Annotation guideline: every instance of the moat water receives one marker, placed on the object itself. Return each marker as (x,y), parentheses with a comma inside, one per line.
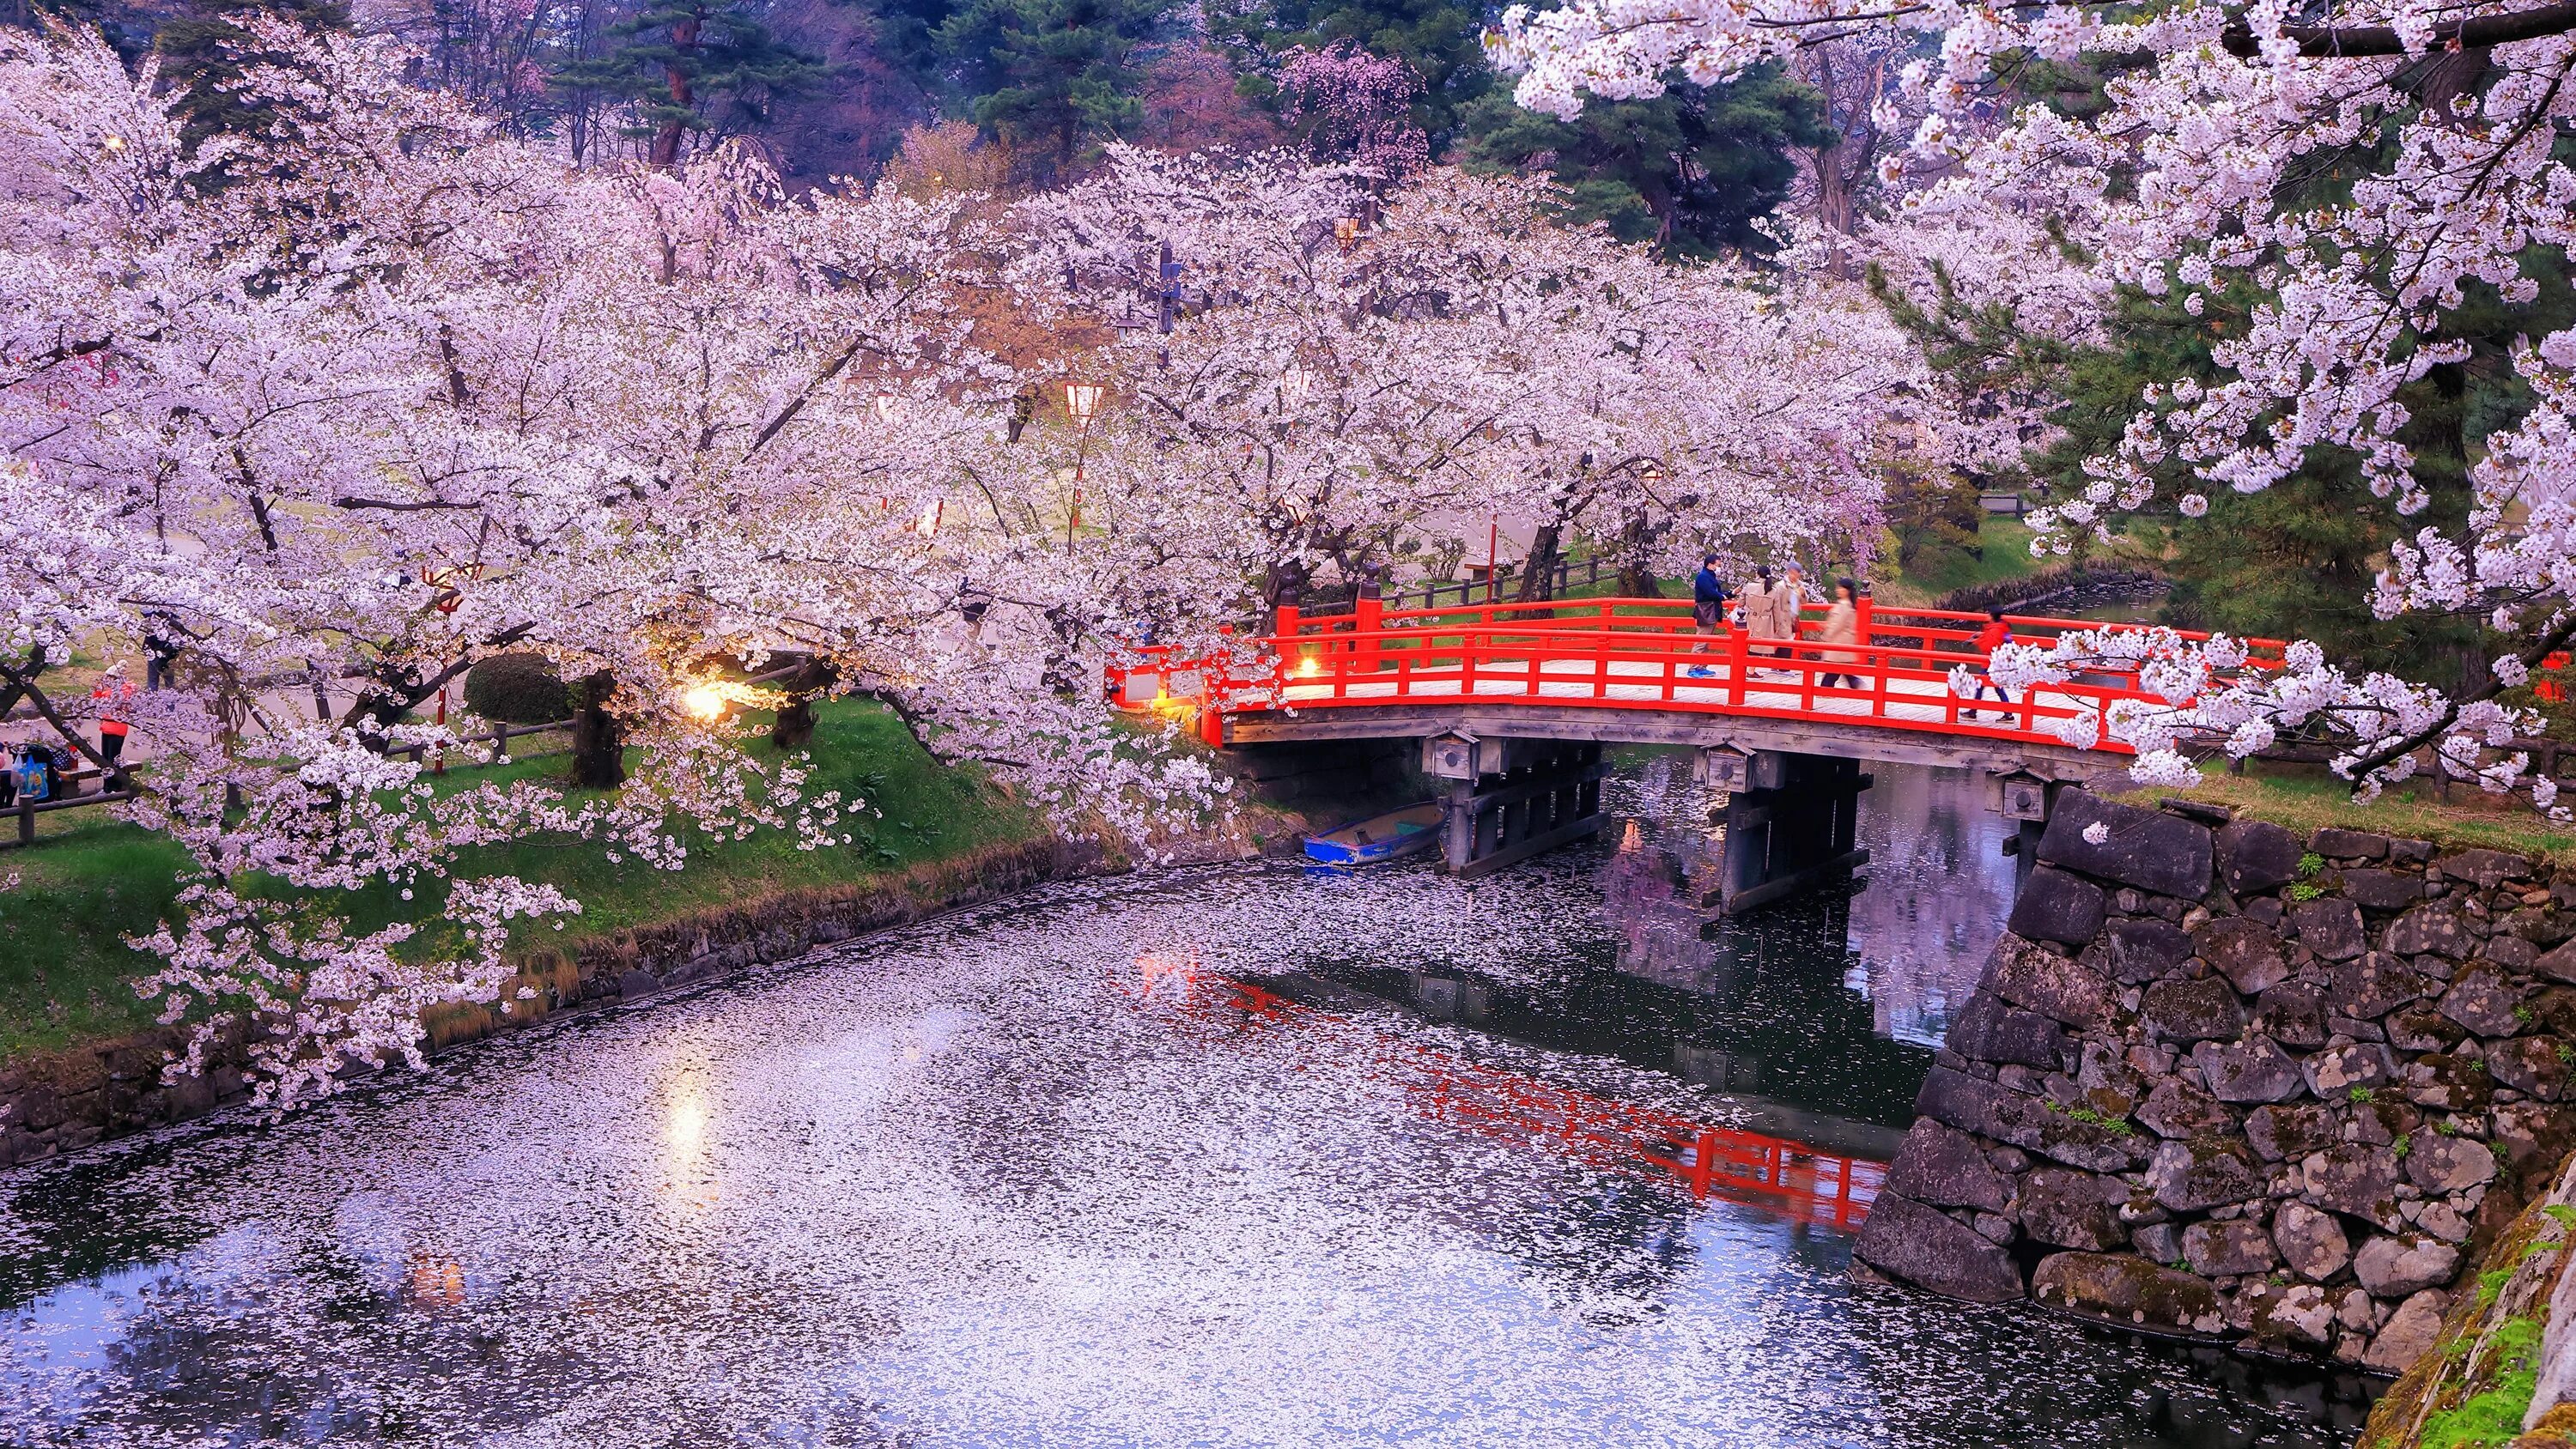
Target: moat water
(1229,1156)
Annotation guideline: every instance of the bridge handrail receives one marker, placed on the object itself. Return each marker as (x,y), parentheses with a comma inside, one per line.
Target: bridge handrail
(1574,668)
(1639,615)
(1635,654)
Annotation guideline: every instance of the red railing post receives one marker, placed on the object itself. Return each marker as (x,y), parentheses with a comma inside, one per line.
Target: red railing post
(1805,664)
(1367,616)
(1735,666)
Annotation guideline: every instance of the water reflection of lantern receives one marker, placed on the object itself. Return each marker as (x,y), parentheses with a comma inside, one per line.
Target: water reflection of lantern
(685,1135)
(431,1282)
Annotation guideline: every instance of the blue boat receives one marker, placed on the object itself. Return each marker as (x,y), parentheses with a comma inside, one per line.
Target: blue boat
(1380,837)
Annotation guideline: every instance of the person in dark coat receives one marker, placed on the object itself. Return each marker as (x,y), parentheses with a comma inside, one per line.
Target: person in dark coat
(1708,609)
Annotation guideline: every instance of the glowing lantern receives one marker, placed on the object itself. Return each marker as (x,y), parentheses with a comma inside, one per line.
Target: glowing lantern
(1082,399)
(704,701)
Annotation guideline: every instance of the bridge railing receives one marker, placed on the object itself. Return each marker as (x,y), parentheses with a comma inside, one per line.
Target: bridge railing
(1641,654)
(1881,624)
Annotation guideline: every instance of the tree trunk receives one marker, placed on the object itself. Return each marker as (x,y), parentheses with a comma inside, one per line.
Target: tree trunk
(1636,575)
(1538,571)
(666,142)
(793,729)
(1834,206)
(598,744)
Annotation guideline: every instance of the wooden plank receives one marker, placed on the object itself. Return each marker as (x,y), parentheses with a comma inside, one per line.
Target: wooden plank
(1520,790)
(1671,727)
(1521,850)
(1791,884)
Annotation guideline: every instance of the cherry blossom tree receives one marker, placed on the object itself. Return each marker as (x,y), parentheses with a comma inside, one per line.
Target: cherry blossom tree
(1338,399)
(341,409)
(2199,177)
(1356,108)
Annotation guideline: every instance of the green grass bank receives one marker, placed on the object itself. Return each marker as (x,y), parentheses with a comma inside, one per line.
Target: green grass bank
(67,976)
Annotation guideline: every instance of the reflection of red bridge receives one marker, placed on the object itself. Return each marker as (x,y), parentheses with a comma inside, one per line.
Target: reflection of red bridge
(1789,1178)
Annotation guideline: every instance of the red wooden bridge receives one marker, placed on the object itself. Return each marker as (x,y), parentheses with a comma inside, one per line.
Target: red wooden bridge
(1513,702)
(1634,670)
(1791,1179)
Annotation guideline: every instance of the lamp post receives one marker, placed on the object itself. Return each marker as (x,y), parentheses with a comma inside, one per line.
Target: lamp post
(1082,399)
(450,593)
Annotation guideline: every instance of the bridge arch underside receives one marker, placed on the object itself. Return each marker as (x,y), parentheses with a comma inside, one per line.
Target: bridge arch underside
(1793,785)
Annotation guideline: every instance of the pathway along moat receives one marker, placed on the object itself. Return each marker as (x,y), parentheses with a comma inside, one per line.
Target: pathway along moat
(1040,1175)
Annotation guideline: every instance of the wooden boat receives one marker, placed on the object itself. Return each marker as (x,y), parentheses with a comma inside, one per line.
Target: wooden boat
(1380,837)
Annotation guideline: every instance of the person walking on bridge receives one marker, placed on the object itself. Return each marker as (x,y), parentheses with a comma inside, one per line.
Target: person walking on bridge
(1842,626)
(1708,609)
(1757,610)
(1994,636)
(1786,599)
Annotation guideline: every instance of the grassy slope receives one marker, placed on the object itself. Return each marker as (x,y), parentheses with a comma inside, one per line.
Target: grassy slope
(2302,798)
(66,974)
(2006,545)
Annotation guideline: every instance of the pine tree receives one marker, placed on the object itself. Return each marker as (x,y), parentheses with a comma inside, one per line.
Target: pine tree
(1690,170)
(205,50)
(677,60)
(1050,76)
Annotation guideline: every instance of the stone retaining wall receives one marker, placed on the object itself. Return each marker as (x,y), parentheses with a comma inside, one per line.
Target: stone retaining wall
(2225,1084)
(64,1101)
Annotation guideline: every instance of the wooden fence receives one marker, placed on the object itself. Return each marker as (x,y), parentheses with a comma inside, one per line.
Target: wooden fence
(114,788)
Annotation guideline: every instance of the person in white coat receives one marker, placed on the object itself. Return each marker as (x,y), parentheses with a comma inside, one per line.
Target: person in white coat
(1756,605)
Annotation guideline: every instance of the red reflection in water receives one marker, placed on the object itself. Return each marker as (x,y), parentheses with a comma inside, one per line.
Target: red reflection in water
(1792,1179)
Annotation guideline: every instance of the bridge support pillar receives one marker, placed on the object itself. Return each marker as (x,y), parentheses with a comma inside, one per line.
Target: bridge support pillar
(1511,799)
(1792,823)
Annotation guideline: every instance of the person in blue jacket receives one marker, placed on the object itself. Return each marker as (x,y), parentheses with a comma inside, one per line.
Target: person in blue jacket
(1708,608)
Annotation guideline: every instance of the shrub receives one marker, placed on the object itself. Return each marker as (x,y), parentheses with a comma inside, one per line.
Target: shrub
(517,689)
